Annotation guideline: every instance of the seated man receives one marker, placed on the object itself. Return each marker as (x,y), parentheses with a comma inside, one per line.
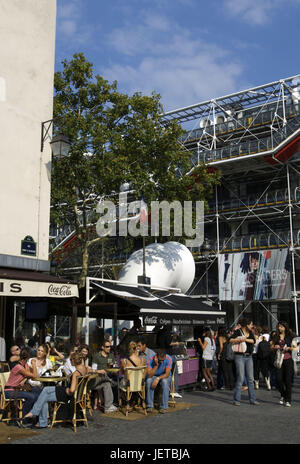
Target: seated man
(158,372)
(15,351)
(103,384)
(143,350)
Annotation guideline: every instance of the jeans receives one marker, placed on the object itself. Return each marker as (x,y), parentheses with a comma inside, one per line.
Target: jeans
(40,407)
(244,368)
(165,387)
(30,397)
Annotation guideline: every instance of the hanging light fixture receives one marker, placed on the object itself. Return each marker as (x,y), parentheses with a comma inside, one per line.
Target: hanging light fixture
(60,145)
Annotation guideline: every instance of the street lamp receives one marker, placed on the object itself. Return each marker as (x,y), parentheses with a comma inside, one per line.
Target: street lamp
(206,251)
(60,144)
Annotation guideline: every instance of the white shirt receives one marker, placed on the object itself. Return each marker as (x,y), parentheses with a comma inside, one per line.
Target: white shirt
(209,350)
(68,368)
(40,371)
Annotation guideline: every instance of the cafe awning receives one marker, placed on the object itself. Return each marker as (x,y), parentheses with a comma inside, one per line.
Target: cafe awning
(19,283)
(160,307)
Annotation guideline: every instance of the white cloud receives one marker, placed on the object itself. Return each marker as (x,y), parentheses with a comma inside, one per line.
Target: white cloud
(257,12)
(183,68)
(69,22)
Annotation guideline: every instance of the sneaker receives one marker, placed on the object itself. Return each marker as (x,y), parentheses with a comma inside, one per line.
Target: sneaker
(281,401)
(111,409)
(236,403)
(162,411)
(177,395)
(254,403)
(149,409)
(287,404)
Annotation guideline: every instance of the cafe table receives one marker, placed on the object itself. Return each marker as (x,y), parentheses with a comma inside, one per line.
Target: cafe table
(52,380)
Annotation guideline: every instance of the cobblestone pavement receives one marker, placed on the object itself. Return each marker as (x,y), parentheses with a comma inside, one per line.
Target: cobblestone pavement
(214,420)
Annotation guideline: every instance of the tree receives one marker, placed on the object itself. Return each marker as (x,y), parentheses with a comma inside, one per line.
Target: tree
(115,138)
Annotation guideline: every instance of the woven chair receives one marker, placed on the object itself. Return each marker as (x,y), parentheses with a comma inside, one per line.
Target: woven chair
(79,404)
(4,366)
(134,388)
(9,405)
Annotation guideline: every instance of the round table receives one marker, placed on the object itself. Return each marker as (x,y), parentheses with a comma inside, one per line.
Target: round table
(51,381)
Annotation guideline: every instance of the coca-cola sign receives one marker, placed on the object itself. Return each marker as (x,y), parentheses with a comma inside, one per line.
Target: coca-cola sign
(59,290)
(183,319)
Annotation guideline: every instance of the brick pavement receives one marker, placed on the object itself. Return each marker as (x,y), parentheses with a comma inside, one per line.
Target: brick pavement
(213,421)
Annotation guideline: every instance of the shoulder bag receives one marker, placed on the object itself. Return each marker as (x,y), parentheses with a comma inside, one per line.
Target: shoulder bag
(239,347)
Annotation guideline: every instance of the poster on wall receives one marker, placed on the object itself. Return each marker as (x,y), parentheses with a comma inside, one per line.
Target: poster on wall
(255,275)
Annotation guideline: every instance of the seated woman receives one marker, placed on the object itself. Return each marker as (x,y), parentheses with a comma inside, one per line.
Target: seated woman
(53,355)
(58,393)
(20,373)
(85,351)
(43,364)
(132,360)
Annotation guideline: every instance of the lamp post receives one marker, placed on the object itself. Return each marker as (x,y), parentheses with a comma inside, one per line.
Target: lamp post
(205,250)
(60,144)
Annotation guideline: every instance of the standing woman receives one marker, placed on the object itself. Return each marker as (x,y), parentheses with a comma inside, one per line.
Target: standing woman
(243,361)
(208,346)
(282,340)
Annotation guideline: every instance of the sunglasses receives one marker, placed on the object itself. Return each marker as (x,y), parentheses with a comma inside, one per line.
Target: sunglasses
(106,346)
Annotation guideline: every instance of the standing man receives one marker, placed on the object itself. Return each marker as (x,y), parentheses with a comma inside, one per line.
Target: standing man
(103,384)
(158,372)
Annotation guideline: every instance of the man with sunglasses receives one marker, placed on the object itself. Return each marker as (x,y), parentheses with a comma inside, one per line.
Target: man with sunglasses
(15,351)
(103,384)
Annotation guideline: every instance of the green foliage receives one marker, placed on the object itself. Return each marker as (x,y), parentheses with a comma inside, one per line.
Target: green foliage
(114,138)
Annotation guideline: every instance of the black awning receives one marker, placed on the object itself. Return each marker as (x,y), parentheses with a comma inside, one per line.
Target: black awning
(160,307)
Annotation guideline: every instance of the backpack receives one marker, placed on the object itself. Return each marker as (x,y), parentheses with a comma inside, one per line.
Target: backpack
(263,350)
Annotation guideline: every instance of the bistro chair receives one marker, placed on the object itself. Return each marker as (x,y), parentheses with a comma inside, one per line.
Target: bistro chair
(134,391)
(78,405)
(7,405)
(4,366)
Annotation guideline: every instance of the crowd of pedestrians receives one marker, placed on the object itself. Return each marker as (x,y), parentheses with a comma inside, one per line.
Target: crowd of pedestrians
(247,358)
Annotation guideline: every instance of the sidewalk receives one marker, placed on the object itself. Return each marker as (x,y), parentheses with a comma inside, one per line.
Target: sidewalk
(213,420)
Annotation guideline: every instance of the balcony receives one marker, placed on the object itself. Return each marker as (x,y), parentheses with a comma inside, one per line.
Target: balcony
(271,198)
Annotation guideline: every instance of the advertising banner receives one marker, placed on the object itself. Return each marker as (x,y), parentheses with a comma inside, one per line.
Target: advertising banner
(256,275)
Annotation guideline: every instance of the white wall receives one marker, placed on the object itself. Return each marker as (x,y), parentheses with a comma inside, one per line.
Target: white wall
(27,45)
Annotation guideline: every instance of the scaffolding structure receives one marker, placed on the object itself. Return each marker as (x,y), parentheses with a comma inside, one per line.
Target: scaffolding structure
(253,138)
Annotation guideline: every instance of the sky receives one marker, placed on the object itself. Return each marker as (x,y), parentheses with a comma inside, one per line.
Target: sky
(188,51)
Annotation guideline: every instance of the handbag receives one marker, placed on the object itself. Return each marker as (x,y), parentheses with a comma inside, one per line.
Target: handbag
(239,347)
(278,359)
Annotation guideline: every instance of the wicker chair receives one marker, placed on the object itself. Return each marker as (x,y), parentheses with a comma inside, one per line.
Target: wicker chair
(79,404)
(134,388)
(8,405)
